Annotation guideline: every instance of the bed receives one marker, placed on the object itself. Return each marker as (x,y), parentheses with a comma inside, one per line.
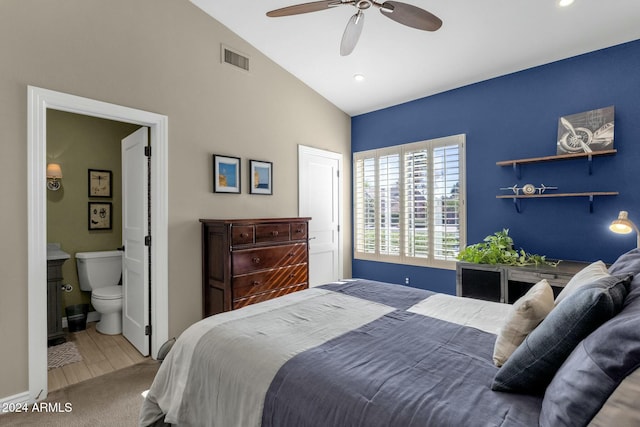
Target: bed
(366,353)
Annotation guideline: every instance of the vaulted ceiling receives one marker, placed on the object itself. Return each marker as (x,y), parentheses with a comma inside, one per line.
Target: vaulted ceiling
(479,39)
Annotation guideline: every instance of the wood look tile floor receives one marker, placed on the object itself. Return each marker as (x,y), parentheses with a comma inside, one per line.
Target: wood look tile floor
(101,354)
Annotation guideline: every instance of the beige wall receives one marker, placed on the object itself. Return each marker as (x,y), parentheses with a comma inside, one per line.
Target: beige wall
(161,56)
(79,143)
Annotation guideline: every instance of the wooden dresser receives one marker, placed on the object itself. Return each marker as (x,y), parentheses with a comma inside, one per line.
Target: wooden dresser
(245,261)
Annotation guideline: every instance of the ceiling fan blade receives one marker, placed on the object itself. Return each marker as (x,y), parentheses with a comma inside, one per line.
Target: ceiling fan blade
(304,8)
(410,16)
(352,33)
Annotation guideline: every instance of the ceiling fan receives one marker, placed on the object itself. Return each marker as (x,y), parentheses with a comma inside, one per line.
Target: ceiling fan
(403,13)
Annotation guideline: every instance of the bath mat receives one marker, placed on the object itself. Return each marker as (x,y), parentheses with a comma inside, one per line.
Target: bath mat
(63,354)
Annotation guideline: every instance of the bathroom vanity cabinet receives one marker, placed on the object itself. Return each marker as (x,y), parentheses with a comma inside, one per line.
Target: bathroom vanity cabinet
(245,261)
(55,334)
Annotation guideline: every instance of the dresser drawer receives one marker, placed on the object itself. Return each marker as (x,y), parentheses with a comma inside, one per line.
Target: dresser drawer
(242,302)
(298,231)
(242,234)
(278,232)
(269,280)
(253,260)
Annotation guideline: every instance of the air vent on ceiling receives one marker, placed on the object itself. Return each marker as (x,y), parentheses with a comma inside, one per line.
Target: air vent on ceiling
(234,58)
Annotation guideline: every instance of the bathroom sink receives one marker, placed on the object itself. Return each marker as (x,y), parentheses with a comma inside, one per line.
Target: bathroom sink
(55,253)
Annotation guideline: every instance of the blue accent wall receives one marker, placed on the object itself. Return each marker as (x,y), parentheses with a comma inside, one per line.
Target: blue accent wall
(516,116)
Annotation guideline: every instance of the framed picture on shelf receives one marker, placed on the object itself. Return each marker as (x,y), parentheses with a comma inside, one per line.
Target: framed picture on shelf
(99,215)
(226,174)
(100,184)
(260,177)
(586,132)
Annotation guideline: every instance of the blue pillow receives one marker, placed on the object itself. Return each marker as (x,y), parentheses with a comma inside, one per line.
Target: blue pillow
(629,263)
(600,363)
(533,365)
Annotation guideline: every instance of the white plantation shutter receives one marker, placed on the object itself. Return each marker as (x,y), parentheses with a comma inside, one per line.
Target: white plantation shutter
(416,202)
(389,204)
(446,202)
(409,203)
(365,210)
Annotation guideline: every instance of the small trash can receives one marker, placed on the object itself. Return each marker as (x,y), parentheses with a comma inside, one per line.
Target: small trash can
(77,317)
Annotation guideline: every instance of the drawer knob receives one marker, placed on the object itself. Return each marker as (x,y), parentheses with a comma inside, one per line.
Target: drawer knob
(274,233)
(291,254)
(255,260)
(243,235)
(299,230)
(255,283)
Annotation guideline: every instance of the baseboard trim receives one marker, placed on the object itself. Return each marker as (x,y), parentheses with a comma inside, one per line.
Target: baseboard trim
(10,402)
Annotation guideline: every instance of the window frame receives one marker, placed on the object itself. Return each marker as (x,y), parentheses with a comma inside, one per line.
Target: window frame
(358,189)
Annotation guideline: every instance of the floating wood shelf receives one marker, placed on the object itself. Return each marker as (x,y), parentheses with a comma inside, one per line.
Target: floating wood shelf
(590,194)
(589,156)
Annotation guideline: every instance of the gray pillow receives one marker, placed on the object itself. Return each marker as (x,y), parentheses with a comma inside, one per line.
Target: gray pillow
(602,361)
(534,363)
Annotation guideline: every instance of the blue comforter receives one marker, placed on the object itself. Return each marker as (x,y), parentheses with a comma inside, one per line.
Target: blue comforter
(377,364)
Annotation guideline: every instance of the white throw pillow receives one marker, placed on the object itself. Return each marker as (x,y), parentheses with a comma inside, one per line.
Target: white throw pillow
(526,313)
(589,274)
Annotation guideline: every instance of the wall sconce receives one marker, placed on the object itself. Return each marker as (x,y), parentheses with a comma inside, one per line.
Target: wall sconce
(623,225)
(54,175)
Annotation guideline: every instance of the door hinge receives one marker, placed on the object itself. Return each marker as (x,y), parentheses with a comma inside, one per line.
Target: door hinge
(147,240)
(147,151)
(338,228)
(338,173)
(147,330)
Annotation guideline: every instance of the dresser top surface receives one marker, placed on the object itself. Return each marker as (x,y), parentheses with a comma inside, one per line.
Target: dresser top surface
(254,220)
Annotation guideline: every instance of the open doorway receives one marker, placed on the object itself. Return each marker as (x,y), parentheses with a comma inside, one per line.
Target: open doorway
(102,184)
(39,100)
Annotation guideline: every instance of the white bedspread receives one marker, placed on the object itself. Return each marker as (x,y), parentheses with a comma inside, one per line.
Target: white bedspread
(484,315)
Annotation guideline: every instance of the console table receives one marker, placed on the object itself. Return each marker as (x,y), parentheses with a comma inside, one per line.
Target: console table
(507,283)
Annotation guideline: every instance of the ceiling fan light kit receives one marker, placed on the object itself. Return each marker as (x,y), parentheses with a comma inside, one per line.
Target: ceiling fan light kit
(403,13)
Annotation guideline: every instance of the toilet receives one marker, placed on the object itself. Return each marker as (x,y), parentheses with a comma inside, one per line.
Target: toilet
(99,273)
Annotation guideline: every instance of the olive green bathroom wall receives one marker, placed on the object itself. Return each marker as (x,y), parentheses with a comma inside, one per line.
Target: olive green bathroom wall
(161,56)
(79,143)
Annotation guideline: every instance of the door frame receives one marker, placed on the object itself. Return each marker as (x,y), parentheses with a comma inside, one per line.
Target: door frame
(39,100)
(303,149)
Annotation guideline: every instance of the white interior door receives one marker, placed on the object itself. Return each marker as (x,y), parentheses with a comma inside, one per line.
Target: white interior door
(135,270)
(319,197)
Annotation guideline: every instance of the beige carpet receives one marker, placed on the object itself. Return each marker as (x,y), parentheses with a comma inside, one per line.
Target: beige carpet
(63,354)
(109,400)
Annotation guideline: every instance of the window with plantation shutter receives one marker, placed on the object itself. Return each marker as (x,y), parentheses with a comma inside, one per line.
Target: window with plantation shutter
(365,211)
(409,203)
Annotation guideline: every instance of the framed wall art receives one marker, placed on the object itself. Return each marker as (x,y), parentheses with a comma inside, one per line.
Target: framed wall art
(100,184)
(99,215)
(586,132)
(226,174)
(260,177)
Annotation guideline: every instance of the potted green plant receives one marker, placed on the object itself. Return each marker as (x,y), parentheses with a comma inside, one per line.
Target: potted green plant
(498,248)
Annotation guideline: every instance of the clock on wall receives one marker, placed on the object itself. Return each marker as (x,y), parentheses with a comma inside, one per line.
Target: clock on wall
(99,183)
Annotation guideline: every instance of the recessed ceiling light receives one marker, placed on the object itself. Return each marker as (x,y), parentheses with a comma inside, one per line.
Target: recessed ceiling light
(565,3)
(358,77)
